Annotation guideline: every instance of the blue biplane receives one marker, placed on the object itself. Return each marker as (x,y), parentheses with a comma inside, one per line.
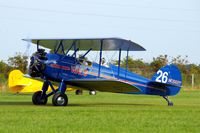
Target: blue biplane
(58,66)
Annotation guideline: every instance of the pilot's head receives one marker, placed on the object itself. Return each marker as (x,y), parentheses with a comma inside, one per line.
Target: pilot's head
(103,61)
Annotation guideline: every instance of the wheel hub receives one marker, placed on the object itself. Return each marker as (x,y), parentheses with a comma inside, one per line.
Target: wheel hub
(60,100)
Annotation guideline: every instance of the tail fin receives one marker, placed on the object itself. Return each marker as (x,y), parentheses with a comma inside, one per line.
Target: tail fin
(14,78)
(170,76)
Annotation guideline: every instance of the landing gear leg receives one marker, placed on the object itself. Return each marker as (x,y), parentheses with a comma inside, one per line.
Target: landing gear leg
(60,98)
(170,103)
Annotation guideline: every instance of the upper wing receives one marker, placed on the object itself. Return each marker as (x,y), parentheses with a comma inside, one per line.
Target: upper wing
(104,85)
(109,44)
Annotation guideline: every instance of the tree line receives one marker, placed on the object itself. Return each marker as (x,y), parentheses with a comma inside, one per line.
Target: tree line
(19,61)
(141,67)
(147,69)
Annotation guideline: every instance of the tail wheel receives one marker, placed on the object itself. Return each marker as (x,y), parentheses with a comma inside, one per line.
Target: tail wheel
(37,98)
(60,99)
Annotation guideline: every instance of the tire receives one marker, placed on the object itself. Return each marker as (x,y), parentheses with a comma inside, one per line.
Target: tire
(78,92)
(38,100)
(92,92)
(60,99)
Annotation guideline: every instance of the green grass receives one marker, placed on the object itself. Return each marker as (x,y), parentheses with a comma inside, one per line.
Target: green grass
(105,112)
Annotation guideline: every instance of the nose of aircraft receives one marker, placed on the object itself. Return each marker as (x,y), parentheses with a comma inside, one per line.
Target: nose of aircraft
(37,64)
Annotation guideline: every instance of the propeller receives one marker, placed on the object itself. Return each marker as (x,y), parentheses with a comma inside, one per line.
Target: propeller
(38,63)
(37,60)
(28,49)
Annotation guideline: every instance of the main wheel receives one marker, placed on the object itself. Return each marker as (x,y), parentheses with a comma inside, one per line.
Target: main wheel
(79,92)
(92,92)
(60,99)
(37,98)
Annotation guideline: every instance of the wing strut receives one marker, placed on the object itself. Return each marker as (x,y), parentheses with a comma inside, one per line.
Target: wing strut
(119,61)
(75,50)
(59,45)
(100,58)
(127,62)
(74,42)
(86,52)
(38,44)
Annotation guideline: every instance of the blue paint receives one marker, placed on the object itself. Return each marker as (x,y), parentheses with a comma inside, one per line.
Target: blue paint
(68,70)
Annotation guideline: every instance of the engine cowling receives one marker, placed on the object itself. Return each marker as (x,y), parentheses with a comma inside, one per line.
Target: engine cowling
(37,63)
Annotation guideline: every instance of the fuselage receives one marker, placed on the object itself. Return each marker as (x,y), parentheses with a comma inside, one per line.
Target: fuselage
(59,67)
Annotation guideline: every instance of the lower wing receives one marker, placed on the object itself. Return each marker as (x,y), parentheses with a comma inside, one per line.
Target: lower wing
(104,85)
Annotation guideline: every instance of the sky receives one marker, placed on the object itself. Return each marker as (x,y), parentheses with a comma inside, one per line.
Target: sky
(167,27)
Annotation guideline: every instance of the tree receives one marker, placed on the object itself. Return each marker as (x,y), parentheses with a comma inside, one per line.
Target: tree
(19,61)
(136,65)
(3,66)
(159,62)
(182,63)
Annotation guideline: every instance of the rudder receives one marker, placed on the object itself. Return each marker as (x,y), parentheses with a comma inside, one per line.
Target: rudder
(169,75)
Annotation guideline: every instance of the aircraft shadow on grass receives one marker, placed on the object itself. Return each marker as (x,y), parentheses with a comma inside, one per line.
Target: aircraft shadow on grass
(25,103)
(109,104)
(3,103)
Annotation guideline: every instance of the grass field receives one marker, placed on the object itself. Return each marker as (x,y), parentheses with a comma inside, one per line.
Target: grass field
(105,112)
